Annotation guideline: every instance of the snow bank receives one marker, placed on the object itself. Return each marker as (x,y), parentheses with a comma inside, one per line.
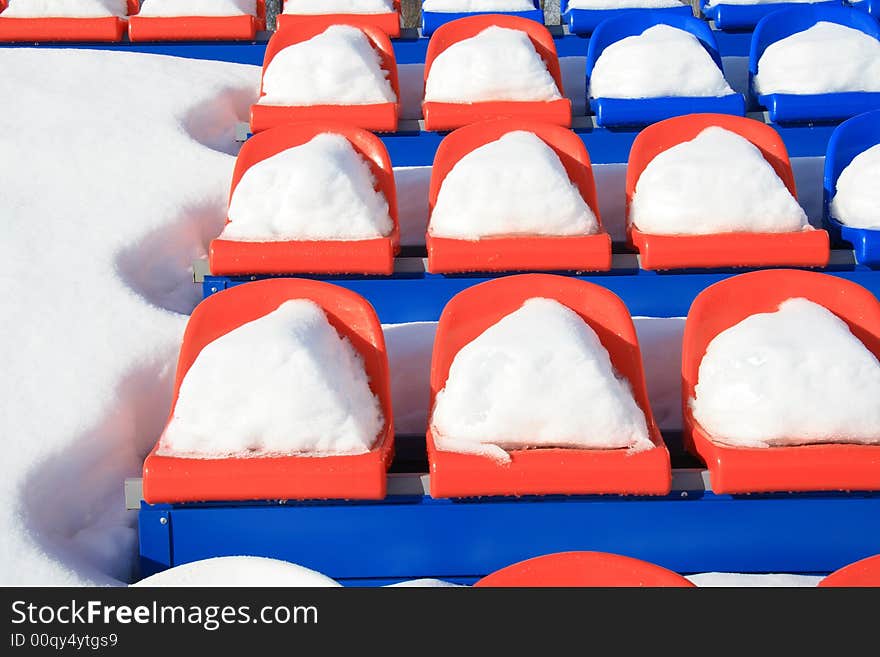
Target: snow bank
(320,190)
(622,4)
(515,185)
(661,61)
(304,7)
(285,383)
(826,58)
(229,572)
(90,367)
(65,8)
(719,182)
(337,67)
(794,376)
(425,583)
(469,6)
(856,200)
(198,8)
(537,378)
(497,64)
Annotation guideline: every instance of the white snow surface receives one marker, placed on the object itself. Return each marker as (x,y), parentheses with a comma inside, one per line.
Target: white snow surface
(166,8)
(714,3)
(499,63)
(767,381)
(239,571)
(101,225)
(468,6)
(320,190)
(856,200)
(285,383)
(825,58)
(661,61)
(65,8)
(515,185)
(754,580)
(339,66)
(622,4)
(738,190)
(316,7)
(505,389)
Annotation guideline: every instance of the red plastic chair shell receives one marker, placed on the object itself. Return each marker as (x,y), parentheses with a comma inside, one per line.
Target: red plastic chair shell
(370,256)
(546,471)
(170,479)
(441,116)
(103,29)
(821,467)
(388,22)
(808,248)
(583,569)
(380,117)
(518,253)
(864,573)
(197,28)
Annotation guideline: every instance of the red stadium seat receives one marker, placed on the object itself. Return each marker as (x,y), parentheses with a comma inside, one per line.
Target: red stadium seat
(546,471)
(169,479)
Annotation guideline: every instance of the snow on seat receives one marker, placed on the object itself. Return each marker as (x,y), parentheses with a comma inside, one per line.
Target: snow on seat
(173,478)
(745,14)
(822,79)
(98,20)
(583,16)
(647,66)
(865,572)
(804,247)
(327,71)
(641,469)
(439,12)
(596,569)
(382,14)
(854,216)
(527,251)
(214,20)
(465,35)
(264,254)
(793,467)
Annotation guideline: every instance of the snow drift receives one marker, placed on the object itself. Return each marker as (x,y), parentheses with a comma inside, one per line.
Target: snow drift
(856,200)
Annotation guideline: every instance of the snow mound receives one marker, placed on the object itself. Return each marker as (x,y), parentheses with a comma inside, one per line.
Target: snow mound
(65,8)
(198,8)
(497,64)
(230,572)
(304,7)
(320,190)
(856,200)
(424,583)
(515,185)
(790,377)
(826,58)
(738,190)
(662,61)
(623,4)
(470,6)
(337,67)
(285,383)
(539,377)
